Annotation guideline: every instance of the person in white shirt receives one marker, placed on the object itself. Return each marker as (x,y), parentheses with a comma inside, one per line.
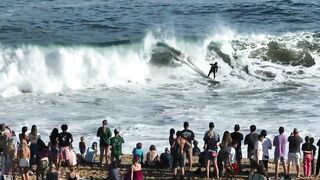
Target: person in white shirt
(258,150)
(266,145)
(232,160)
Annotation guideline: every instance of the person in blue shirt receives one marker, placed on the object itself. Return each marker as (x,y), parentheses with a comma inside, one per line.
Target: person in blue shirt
(138,151)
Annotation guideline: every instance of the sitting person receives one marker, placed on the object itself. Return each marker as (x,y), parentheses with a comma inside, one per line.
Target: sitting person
(73,175)
(138,152)
(201,162)
(91,153)
(195,150)
(52,174)
(135,172)
(114,171)
(166,159)
(152,156)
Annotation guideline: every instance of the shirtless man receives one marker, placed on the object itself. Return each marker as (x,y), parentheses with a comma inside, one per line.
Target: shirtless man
(178,154)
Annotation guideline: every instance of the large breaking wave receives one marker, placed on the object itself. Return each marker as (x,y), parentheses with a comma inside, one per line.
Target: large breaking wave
(54,68)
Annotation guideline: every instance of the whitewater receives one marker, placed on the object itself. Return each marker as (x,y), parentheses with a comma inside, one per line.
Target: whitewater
(146,78)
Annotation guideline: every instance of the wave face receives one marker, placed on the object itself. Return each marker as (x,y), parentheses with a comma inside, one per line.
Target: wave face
(31,68)
(47,69)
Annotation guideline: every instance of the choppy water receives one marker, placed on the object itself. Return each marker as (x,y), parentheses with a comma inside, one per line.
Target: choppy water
(140,63)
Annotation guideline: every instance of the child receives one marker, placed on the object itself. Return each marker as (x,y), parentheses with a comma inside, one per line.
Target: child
(307,157)
(196,150)
(114,171)
(138,152)
(232,166)
(314,149)
(82,146)
(52,174)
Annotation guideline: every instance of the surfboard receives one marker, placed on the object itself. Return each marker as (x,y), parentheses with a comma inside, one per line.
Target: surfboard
(211,80)
(190,63)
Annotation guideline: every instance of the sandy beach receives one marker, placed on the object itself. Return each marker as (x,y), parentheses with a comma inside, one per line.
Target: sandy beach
(99,173)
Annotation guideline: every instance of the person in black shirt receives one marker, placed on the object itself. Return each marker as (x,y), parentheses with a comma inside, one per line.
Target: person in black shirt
(314,149)
(171,136)
(294,150)
(318,160)
(251,140)
(65,141)
(237,137)
(166,159)
(213,69)
(189,136)
(307,156)
(196,150)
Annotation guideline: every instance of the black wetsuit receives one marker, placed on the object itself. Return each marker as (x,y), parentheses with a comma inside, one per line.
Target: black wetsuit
(214,70)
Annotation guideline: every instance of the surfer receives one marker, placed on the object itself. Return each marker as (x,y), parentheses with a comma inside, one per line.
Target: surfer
(213,69)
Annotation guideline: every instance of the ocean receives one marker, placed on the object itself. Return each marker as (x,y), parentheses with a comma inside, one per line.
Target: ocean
(140,64)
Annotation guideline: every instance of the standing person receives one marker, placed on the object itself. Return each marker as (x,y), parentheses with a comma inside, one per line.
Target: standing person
(213,69)
(266,144)
(251,140)
(33,138)
(82,146)
(212,152)
(307,157)
(105,134)
(24,158)
(258,151)
(232,161)
(116,147)
(314,150)
(318,161)
(223,154)
(4,137)
(237,137)
(23,134)
(187,134)
(10,154)
(171,136)
(294,150)
(54,147)
(65,141)
(211,141)
(280,143)
(178,147)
